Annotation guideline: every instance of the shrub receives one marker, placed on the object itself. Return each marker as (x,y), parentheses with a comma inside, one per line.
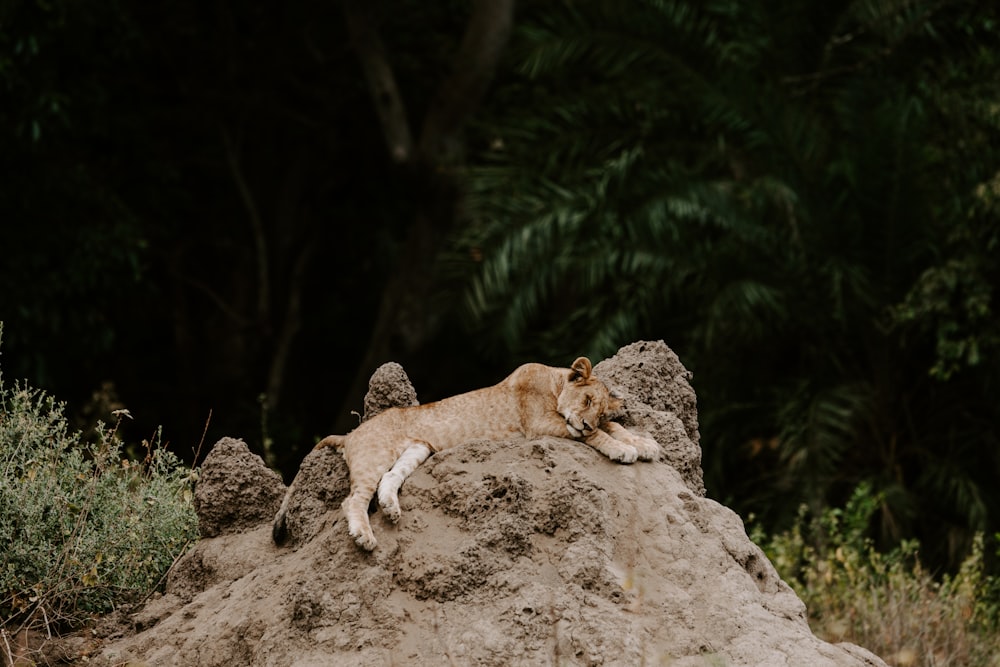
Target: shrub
(887,602)
(84,528)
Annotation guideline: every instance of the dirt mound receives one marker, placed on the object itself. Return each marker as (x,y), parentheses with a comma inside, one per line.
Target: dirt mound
(235,491)
(660,401)
(511,553)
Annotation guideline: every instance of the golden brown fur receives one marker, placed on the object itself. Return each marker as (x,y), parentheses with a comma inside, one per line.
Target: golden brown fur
(535,400)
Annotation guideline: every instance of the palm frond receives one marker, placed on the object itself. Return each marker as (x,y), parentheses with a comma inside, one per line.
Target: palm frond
(759,183)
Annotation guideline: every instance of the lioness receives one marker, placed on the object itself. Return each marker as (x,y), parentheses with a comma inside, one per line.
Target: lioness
(533,401)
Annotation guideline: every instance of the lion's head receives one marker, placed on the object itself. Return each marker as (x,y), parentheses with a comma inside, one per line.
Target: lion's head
(585,401)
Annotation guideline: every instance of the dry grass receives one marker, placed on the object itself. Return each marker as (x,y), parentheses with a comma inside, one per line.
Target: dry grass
(887,602)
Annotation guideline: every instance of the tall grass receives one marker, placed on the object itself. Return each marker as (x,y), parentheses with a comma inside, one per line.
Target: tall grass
(84,529)
(887,602)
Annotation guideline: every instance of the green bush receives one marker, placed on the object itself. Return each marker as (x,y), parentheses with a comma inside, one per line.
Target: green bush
(83,528)
(887,602)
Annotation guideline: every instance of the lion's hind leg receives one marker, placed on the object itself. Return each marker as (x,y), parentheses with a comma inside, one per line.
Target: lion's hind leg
(646,448)
(365,475)
(416,453)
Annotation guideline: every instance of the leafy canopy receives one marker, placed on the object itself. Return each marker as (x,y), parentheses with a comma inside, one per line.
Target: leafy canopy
(799,198)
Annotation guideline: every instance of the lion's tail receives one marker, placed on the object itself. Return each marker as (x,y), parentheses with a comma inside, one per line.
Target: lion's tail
(279,528)
(335,441)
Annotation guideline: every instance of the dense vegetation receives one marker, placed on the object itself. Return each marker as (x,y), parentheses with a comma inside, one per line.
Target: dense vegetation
(775,189)
(87,528)
(232,214)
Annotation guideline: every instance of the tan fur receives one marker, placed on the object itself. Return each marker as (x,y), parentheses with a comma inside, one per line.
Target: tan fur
(535,400)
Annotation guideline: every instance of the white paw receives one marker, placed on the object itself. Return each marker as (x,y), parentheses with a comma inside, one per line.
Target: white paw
(647,448)
(390,509)
(627,454)
(364,538)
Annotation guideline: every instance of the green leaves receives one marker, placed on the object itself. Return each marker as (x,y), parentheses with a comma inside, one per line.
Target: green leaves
(87,529)
(771,190)
(953,301)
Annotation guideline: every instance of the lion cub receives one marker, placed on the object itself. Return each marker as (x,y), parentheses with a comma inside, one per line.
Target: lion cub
(533,401)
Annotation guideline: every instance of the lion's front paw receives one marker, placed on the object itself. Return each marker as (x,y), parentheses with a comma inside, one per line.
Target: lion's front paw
(647,448)
(391,511)
(625,454)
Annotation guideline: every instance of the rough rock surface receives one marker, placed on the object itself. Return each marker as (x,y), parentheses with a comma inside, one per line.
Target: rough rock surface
(512,553)
(659,400)
(236,490)
(389,387)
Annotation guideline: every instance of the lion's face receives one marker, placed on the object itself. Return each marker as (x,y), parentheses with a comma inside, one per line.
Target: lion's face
(584,400)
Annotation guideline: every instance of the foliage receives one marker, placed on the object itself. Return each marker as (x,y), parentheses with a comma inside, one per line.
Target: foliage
(953,301)
(85,529)
(887,602)
(796,197)
(67,225)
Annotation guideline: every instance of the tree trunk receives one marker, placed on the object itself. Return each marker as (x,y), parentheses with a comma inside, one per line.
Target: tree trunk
(405,319)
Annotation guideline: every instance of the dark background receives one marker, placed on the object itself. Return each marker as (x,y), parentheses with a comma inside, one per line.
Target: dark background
(224,216)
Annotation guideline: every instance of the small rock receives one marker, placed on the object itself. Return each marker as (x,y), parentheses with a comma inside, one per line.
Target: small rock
(389,387)
(235,490)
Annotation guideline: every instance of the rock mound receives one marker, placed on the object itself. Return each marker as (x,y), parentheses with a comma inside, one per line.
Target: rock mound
(660,401)
(513,553)
(236,490)
(389,387)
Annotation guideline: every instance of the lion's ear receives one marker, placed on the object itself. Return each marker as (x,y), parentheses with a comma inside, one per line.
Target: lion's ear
(581,369)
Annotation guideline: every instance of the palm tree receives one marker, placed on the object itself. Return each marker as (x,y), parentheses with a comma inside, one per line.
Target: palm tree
(758,184)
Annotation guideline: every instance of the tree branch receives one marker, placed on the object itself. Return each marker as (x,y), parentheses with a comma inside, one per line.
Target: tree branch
(486,36)
(256,228)
(381,79)
(290,326)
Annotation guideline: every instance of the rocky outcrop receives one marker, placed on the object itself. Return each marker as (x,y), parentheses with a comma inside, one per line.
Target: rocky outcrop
(236,490)
(660,401)
(538,552)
